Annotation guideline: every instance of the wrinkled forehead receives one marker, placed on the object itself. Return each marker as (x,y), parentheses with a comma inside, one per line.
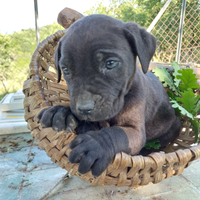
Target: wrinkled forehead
(95,31)
(96,22)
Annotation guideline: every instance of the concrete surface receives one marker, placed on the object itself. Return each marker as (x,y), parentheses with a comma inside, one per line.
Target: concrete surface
(27,173)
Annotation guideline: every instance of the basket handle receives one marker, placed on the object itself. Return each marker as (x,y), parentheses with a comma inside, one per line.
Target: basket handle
(68,16)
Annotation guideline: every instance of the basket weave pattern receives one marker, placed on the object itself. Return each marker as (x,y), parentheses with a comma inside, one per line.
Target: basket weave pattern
(42,90)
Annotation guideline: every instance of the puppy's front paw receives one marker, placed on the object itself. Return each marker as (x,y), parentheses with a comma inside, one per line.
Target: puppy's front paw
(60,118)
(92,152)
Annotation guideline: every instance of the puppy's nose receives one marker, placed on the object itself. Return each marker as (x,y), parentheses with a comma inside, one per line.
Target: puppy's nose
(85,107)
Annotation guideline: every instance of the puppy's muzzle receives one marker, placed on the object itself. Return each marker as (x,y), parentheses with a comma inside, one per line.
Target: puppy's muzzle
(85,107)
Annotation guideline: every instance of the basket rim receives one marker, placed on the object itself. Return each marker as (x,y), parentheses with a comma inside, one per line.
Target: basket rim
(154,162)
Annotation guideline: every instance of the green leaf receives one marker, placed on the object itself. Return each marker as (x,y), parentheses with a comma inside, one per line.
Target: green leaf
(152,144)
(182,110)
(188,79)
(197,108)
(171,95)
(195,127)
(176,73)
(165,77)
(189,100)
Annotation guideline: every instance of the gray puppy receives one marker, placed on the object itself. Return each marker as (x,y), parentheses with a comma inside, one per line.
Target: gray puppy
(114,105)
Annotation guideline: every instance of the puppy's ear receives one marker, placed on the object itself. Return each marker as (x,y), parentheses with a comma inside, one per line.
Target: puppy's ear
(57,57)
(143,44)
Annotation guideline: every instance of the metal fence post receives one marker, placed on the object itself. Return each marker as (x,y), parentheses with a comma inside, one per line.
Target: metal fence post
(178,51)
(153,23)
(36,22)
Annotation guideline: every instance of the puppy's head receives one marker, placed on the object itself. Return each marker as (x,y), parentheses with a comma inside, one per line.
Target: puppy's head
(97,57)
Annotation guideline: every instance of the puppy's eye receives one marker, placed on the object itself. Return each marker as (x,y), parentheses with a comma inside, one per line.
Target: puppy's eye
(111,64)
(65,71)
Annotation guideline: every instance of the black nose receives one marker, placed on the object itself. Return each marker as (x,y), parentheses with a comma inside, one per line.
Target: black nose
(85,107)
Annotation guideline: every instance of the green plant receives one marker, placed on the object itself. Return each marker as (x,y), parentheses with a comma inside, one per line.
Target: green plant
(182,90)
(155,144)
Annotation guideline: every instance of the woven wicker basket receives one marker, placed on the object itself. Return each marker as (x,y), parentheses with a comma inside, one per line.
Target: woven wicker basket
(42,90)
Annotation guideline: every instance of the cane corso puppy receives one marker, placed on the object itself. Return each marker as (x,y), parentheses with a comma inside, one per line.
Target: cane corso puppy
(114,105)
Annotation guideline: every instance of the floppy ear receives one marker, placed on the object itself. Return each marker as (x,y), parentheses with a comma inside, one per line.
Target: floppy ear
(143,44)
(57,57)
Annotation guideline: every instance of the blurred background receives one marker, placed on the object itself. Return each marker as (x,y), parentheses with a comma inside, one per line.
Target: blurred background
(18,33)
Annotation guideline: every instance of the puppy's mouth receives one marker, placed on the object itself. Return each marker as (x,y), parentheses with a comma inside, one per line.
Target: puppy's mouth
(95,115)
(88,118)
(92,117)
(93,111)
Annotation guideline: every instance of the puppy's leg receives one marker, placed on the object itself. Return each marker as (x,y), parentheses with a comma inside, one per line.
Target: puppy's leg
(60,118)
(95,149)
(171,134)
(166,138)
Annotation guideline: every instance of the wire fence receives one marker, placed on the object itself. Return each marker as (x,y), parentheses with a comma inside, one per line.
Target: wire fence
(167,29)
